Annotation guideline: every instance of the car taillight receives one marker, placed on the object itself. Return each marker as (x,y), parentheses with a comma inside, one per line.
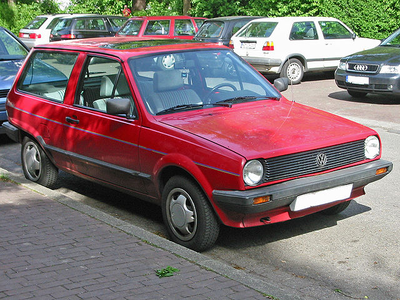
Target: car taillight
(35,36)
(68,36)
(231,45)
(20,35)
(268,46)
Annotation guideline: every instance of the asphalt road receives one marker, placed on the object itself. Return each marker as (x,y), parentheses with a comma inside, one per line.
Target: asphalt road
(353,255)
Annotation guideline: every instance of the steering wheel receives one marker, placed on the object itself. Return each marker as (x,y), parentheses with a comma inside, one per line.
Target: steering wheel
(218,86)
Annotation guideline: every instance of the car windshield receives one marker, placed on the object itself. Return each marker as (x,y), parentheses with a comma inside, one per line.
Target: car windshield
(131,27)
(212,29)
(258,29)
(36,23)
(202,79)
(10,48)
(393,40)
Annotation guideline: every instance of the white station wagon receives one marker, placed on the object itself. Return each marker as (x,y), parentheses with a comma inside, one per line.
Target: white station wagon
(290,46)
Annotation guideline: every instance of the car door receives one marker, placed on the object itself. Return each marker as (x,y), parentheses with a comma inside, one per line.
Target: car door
(338,42)
(102,145)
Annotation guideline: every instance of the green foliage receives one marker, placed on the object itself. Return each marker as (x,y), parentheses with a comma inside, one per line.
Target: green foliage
(103,7)
(166,272)
(16,16)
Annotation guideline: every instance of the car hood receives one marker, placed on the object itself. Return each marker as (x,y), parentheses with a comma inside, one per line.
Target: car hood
(8,70)
(380,54)
(268,128)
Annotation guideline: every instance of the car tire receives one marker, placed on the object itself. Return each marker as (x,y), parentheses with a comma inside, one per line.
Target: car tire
(334,210)
(187,214)
(36,166)
(357,94)
(294,70)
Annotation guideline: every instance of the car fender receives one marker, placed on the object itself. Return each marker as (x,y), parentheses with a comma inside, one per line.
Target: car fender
(297,56)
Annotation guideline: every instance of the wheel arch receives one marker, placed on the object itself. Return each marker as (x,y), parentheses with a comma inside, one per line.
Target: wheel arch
(298,56)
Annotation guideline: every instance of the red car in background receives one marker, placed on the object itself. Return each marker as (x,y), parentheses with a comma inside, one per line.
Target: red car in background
(209,139)
(180,27)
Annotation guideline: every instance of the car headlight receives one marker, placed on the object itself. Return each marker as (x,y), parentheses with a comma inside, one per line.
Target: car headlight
(390,69)
(371,147)
(253,172)
(342,65)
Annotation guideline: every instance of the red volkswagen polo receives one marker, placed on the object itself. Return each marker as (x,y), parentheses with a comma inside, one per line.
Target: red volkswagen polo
(208,139)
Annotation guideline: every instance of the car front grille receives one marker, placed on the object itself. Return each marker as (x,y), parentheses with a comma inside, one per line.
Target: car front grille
(362,68)
(304,163)
(3,93)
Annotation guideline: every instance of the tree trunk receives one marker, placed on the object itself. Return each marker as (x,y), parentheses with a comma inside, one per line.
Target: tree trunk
(186,7)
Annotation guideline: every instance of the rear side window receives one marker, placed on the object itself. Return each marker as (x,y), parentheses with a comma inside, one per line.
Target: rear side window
(160,27)
(303,31)
(46,75)
(61,25)
(334,30)
(258,29)
(184,27)
(36,23)
(211,29)
(52,23)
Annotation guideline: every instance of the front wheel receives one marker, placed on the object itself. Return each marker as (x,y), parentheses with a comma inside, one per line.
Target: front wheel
(294,70)
(36,165)
(189,219)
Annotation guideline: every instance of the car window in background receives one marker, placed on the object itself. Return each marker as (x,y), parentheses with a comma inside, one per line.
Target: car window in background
(184,27)
(211,29)
(159,27)
(47,75)
(10,48)
(303,31)
(36,23)
(393,40)
(239,25)
(116,23)
(259,29)
(199,22)
(62,24)
(132,27)
(334,30)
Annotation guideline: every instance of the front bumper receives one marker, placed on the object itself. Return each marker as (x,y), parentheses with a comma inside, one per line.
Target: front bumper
(378,83)
(283,194)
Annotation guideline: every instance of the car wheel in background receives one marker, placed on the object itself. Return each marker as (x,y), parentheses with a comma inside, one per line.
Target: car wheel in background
(187,214)
(294,70)
(334,210)
(36,165)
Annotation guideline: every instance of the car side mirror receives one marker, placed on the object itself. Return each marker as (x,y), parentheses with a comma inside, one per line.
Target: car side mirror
(353,36)
(119,106)
(281,84)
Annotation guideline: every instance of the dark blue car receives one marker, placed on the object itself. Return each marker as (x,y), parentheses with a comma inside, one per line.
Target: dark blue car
(12,54)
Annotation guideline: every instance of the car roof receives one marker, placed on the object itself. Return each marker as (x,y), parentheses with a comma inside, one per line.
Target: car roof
(163,17)
(125,47)
(290,19)
(232,18)
(73,16)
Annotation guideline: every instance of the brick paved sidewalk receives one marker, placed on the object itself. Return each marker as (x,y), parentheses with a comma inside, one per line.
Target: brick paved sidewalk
(51,251)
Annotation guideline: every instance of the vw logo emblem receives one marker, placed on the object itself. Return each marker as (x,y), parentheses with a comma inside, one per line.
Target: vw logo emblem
(321,159)
(361,67)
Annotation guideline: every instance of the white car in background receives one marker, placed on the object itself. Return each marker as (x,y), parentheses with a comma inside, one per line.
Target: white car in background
(290,46)
(38,30)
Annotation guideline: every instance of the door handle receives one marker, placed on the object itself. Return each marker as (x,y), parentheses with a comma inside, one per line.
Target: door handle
(71,120)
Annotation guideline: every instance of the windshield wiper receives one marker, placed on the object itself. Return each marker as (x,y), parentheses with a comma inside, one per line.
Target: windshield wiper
(229,102)
(179,107)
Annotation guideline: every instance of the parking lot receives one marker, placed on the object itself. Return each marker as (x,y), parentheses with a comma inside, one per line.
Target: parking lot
(351,255)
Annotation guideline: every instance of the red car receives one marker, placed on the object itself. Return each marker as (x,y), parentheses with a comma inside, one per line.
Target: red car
(171,27)
(209,139)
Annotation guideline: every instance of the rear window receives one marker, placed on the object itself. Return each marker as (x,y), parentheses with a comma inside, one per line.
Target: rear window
(211,29)
(131,27)
(36,23)
(46,75)
(52,23)
(259,29)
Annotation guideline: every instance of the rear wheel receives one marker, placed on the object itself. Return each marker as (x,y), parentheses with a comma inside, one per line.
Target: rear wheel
(357,94)
(36,165)
(190,220)
(294,70)
(334,210)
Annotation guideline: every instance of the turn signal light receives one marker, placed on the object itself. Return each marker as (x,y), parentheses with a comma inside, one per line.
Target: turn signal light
(268,46)
(381,171)
(231,45)
(260,200)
